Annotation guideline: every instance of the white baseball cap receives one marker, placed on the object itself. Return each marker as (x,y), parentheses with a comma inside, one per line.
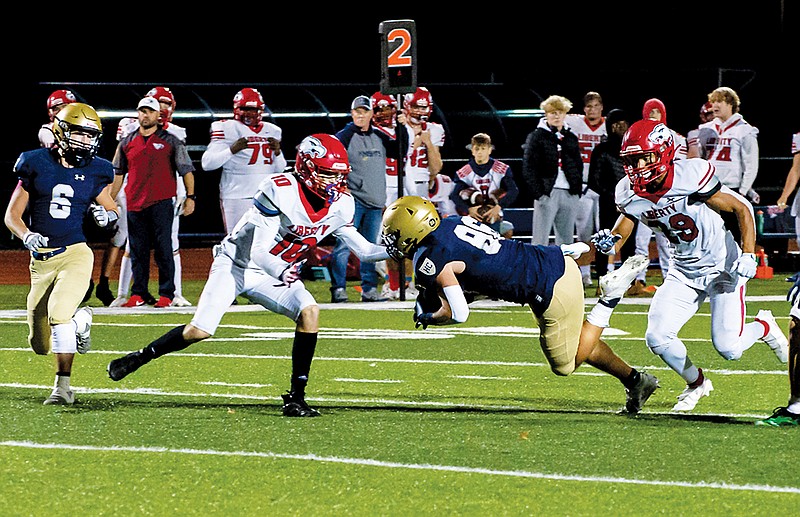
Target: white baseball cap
(149,102)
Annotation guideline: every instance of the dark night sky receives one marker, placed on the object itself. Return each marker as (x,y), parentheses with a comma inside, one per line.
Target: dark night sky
(626,51)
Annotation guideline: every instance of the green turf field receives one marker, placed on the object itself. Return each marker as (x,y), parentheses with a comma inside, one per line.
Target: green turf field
(459,420)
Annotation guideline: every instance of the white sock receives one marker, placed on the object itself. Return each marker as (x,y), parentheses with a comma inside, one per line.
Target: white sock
(600,315)
(677,358)
(178,290)
(62,381)
(125,276)
(586,271)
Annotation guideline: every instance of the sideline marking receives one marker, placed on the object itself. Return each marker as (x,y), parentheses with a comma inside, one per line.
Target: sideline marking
(410,466)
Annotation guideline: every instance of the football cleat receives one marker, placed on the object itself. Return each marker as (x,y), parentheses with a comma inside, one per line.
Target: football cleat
(295,405)
(640,392)
(689,398)
(780,417)
(83,327)
(614,285)
(120,368)
(60,397)
(774,336)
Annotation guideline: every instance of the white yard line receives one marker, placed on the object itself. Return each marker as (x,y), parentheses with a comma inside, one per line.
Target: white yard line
(366,462)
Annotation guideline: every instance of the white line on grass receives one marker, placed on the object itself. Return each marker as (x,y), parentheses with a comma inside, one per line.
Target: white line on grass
(409,466)
(383,402)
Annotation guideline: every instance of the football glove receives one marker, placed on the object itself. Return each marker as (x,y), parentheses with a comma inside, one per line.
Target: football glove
(101,216)
(33,241)
(291,274)
(604,241)
(791,296)
(746,265)
(422,319)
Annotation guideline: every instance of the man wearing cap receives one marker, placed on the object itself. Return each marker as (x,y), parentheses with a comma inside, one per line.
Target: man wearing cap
(149,157)
(367,150)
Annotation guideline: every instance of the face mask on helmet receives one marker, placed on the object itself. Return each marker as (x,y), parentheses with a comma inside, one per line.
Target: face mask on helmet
(166,100)
(248,107)
(418,105)
(78,132)
(384,110)
(322,166)
(405,223)
(647,153)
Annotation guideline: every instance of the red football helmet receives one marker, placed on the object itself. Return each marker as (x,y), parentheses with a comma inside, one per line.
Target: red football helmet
(163,95)
(57,100)
(322,165)
(706,112)
(647,152)
(244,101)
(418,105)
(384,109)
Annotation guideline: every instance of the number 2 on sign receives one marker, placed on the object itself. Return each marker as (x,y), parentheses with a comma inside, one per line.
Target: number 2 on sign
(399,56)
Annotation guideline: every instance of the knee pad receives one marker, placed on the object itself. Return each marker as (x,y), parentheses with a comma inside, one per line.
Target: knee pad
(657,342)
(730,353)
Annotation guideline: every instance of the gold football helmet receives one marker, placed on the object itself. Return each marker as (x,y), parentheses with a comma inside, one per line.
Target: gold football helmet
(405,223)
(78,131)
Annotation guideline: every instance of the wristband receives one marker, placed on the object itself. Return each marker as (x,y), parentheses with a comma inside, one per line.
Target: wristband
(193,197)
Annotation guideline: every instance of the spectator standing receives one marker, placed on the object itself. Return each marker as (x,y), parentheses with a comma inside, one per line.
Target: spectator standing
(149,158)
(166,101)
(683,198)
(790,185)
(55,103)
(484,186)
(57,187)
(367,150)
(553,169)
(261,260)
(730,143)
(591,129)
(248,149)
(605,171)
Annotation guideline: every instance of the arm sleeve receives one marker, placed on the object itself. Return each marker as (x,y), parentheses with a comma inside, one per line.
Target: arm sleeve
(458,303)
(364,250)
(749,163)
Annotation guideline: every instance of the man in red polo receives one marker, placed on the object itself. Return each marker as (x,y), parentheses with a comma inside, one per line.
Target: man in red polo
(150,157)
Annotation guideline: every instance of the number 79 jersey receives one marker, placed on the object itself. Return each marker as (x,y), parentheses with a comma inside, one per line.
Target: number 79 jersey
(703,245)
(506,269)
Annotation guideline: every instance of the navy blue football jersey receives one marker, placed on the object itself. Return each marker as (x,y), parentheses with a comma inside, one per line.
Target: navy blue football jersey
(504,269)
(59,196)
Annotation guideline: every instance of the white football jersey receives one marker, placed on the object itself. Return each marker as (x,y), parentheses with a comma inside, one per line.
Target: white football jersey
(732,147)
(415,169)
(588,137)
(299,231)
(703,246)
(439,195)
(244,171)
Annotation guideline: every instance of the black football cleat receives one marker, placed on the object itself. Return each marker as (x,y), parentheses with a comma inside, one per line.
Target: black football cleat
(119,368)
(295,405)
